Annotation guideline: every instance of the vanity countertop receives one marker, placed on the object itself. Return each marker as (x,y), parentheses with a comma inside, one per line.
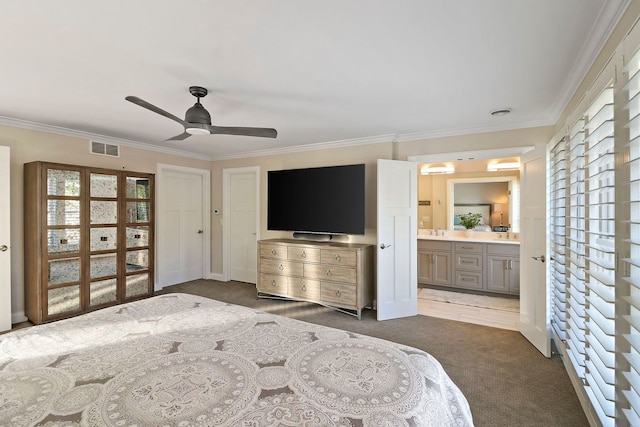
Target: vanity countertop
(478,236)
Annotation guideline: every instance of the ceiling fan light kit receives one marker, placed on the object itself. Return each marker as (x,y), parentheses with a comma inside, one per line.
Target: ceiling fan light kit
(197,120)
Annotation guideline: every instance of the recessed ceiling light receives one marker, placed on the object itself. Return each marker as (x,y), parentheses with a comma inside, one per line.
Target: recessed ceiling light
(501,111)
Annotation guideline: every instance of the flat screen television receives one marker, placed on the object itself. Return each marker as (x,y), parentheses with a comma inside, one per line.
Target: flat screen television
(323,200)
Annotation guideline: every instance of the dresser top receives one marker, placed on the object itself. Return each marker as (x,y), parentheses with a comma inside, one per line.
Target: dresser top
(329,245)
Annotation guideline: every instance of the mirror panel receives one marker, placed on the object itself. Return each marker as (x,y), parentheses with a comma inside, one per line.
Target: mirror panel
(103,238)
(137,284)
(138,212)
(104,185)
(63,212)
(137,236)
(137,188)
(61,241)
(61,300)
(63,183)
(66,270)
(104,212)
(102,292)
(137,260)
(103,265)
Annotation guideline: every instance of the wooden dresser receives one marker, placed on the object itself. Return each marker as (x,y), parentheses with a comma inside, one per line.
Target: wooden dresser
(336,275)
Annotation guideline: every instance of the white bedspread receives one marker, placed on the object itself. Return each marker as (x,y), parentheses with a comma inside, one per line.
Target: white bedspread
(184,360)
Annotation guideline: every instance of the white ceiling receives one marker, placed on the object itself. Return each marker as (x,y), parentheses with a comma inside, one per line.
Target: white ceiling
(331,71)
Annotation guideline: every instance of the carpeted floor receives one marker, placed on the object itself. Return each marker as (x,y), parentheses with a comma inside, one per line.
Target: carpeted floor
(505,379)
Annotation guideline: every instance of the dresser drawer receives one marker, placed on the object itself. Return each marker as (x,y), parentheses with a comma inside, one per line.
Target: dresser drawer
(330,272)
(286,268)
(468,261)
(273,284)
(503,249)
(273,251)
(297,253)
(468,279)
(433,245)
(339,294)
(304,288)
(469,247)
(339,257)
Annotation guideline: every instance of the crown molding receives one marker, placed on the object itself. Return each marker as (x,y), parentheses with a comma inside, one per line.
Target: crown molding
(610,15)
(379,139)
(57,130)
(417,136)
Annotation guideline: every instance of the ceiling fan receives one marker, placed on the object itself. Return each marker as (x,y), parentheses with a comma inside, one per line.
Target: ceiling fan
(197,120)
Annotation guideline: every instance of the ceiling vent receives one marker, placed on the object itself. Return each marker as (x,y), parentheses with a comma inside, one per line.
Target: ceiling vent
(105,149)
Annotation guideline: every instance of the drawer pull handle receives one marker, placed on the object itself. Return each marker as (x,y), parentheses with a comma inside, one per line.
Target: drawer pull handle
(338,293)
(329,273)
(273,251)
(273,283)
(303,254)
(338,257)
(467,247)
(304,287)
(466,279)
(280,267)
(466,262)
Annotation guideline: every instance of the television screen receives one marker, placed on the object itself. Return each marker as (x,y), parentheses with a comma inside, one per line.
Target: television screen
(317,200)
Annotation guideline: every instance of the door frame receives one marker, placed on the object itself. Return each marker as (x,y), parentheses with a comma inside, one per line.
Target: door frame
(161,170)
(226,216)
(5,231)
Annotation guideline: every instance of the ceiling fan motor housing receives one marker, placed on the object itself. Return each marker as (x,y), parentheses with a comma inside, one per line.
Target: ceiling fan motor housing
(198,114)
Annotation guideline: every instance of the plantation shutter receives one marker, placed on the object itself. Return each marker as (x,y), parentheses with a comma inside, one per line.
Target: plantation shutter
(631,240)
(575,273)
(557,208)
(600,255)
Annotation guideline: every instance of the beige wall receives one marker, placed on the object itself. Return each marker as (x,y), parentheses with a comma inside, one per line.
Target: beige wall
(367,154)
(28,146)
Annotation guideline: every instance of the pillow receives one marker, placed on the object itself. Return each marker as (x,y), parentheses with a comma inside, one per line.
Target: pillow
(456,220)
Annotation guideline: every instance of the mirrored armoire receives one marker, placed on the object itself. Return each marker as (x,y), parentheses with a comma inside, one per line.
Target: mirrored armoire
(88,239)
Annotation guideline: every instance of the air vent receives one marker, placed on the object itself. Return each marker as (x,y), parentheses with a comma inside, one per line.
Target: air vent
(105,149)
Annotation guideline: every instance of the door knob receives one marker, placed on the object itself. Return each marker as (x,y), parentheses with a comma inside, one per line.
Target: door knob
(540,258)
(199,231)
(383,246)
(4,248)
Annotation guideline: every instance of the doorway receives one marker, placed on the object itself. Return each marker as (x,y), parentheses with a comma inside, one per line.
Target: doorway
(183,224)
(464,293)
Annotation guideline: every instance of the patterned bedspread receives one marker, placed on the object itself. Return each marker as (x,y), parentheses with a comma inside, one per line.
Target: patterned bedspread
(184,360)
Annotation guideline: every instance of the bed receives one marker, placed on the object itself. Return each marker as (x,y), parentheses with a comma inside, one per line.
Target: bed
(186,360)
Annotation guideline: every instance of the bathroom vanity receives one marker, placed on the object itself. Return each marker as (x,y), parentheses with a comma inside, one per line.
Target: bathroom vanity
(485,262)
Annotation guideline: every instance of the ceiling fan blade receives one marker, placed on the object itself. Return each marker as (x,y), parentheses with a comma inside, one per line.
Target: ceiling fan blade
(182,136)
(151,107)
(230,130)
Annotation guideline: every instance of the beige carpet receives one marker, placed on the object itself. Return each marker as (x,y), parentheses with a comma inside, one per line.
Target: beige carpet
(460,298)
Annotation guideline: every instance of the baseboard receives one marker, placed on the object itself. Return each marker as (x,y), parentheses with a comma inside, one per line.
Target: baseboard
(18,317)
(576,381)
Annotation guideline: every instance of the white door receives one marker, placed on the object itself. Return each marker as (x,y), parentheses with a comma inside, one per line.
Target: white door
(182,232)
(534,294)
(397,254)
(242,216)
(5,241)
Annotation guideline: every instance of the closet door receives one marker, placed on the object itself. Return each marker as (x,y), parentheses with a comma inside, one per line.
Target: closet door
(62,244)
(102,238)
(138,236)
